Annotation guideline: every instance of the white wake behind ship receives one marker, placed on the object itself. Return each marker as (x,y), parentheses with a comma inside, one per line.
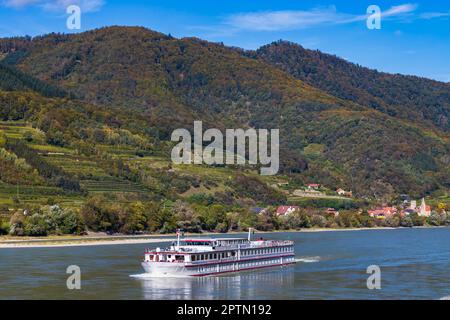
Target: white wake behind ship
(213,256)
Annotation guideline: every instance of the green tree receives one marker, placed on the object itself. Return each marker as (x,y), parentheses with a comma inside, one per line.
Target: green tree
(136,220)
(212,216)
(99,215)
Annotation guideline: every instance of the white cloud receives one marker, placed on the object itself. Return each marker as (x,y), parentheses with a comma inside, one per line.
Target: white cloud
(400,10)
(432,15)
(55,5)
(19,3)
(285,20)
(298,19)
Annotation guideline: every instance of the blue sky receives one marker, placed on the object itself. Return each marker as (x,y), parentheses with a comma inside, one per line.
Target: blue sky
(414,37)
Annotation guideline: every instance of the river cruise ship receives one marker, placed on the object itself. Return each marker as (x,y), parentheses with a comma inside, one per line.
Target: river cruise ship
(213,256)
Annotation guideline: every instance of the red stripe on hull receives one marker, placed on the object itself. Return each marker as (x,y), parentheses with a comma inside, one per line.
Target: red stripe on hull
(244,269)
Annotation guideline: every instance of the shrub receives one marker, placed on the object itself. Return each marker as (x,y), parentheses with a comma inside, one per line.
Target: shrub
(406,222)
(392,222)
(4,227)
(64,221)
(56,138)
(319,221)
(28,136)
(201,198)
(37,225)
(417,220)
(16,224)
(53,220)
(436,219)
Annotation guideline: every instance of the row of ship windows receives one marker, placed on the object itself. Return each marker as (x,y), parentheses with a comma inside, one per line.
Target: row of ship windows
(266,251)
(243,265)
(213,256)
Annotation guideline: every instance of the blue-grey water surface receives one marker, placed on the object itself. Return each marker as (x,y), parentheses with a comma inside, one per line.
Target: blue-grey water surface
(415,264)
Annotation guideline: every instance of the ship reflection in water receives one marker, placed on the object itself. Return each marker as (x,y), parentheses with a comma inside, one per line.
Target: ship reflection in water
(244,285)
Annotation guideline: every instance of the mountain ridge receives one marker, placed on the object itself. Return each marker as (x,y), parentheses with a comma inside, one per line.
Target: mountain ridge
(360,84)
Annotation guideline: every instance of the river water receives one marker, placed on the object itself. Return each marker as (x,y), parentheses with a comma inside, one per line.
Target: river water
(414,264)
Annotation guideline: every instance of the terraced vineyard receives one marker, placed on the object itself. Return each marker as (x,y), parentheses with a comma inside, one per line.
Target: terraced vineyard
(113,185)
(36,195)
(93,178)
(17,129)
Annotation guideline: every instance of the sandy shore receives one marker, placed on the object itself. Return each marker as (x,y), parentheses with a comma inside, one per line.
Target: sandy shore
(67,241)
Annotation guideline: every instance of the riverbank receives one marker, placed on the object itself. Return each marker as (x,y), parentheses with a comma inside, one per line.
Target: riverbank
(98,240)
(72,241)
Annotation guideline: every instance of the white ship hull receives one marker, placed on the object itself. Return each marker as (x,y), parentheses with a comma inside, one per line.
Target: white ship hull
(162,269)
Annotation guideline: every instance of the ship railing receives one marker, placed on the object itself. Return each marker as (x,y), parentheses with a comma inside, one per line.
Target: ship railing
(267,243)
(214,260)
(262,243)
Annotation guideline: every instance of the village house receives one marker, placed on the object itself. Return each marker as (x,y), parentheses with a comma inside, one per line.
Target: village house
(313,186)
(332,212)
(382,213)
(286,210)
(344,193)
(407,212)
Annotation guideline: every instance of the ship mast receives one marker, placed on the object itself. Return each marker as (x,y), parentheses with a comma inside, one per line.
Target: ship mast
(178,237)
(249,233)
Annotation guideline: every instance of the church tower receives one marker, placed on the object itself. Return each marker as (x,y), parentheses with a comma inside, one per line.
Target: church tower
(424,210)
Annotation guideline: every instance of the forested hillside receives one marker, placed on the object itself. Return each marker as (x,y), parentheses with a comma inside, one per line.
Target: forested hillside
(407,97)
(376,134)
(12,79)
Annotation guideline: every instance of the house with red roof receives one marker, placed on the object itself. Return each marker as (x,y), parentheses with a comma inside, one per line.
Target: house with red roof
(382,213)
(314,186)
(332,212)
(344,193)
